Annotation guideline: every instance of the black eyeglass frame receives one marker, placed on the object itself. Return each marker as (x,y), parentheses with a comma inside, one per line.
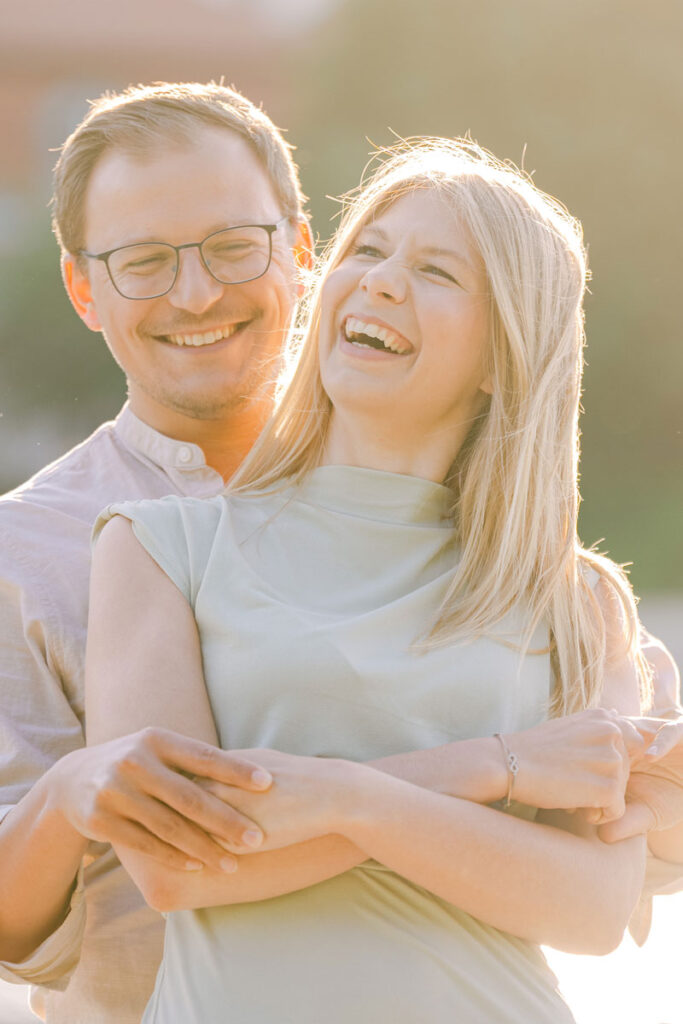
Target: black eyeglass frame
(103,257)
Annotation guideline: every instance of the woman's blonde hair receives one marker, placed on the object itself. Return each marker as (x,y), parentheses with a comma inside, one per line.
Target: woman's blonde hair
(516,476)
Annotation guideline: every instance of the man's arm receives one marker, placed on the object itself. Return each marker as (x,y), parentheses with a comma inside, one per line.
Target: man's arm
(56,794)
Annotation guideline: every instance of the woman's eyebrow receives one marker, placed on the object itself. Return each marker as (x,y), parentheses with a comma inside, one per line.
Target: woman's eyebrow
(435,250)
(432,250)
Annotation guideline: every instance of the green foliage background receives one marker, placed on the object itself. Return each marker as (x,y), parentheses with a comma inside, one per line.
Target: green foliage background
(587,95)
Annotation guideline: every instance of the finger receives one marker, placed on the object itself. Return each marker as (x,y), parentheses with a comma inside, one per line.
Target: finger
(634,741)
(665,740)
(133,836)
(638,819)
(176,832)
(203,759)
(203,809)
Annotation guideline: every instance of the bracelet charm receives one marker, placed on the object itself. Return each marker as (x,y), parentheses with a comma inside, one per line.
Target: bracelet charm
(512,765)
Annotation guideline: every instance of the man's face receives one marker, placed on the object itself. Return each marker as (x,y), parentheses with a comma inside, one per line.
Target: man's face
(205,348)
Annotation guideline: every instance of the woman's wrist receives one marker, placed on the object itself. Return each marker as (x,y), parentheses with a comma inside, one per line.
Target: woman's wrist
(359,797)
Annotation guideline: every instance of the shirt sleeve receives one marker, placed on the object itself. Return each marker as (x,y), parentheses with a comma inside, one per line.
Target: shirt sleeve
(178,533)
(38,726)
(661,877)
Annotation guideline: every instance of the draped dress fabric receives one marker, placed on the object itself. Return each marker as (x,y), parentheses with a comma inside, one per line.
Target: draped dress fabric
(309,601)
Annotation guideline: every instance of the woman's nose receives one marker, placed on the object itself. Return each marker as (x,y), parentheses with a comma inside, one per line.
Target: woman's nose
(387,280)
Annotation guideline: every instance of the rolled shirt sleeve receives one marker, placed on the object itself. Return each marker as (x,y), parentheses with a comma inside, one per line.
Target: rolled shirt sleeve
(661,877)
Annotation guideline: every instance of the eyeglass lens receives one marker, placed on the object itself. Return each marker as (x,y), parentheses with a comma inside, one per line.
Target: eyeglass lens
(232,256)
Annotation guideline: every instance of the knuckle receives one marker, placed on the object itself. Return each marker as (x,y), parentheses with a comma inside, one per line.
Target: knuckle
(192,803)
(97,822)
(150,736)
(171,830)
(206,757)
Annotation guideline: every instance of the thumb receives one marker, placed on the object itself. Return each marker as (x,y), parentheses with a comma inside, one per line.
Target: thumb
(637,820)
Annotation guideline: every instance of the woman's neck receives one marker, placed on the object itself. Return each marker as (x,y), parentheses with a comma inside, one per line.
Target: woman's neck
(373,446)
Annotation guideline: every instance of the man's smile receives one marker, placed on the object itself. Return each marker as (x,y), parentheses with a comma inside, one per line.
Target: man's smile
(198,339)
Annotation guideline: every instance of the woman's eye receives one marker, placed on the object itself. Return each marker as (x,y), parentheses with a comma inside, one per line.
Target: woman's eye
(438,272)
(366,250)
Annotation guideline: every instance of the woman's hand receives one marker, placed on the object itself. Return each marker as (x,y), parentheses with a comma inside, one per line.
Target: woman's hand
(580,761)
(307,798)
(654,794)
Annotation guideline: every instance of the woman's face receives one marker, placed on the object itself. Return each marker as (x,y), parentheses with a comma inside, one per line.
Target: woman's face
(404,322)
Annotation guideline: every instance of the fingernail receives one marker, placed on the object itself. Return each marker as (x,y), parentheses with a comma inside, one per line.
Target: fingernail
(261,777)
(193,865)
(653,749)
(252,837)
(228,864)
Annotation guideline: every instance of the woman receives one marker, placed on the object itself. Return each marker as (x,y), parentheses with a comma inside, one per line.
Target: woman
(395,569)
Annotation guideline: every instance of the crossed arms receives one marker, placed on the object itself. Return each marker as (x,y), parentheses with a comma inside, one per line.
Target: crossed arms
(323,816)
(134,791)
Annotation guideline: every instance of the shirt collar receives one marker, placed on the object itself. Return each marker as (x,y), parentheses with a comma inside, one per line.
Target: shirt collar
(167,452)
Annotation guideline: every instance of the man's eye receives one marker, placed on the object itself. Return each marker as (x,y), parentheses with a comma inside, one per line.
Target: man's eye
(438,272)
(145,265)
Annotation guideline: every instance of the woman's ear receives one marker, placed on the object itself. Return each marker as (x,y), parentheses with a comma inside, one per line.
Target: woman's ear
(78,289)
(487,385)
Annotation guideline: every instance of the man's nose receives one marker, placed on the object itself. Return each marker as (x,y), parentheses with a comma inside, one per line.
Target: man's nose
(387,280)
(195,290)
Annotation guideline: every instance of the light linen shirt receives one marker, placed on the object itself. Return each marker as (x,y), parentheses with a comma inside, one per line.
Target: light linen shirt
(45,528)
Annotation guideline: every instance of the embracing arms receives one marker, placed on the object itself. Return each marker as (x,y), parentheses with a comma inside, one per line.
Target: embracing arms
(509,873)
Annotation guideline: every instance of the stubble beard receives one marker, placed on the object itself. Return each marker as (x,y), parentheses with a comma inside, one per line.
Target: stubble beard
(256,388)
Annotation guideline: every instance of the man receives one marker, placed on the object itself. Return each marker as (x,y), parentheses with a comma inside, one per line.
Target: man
(178,211)
(182,165)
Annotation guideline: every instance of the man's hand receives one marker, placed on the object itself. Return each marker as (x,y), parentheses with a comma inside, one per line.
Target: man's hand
(654,793)
(137,791)
(581,760)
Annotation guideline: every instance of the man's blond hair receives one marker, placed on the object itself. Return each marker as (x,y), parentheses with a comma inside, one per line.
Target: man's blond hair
(139,119)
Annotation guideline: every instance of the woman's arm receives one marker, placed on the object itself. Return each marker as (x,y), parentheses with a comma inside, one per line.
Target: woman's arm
(500,869)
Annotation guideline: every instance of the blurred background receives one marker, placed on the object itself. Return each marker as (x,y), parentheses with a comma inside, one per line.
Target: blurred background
(586,95)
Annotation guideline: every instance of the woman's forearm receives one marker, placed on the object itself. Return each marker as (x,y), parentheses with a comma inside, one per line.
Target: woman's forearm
(259,876)
(539,882)
(471,769)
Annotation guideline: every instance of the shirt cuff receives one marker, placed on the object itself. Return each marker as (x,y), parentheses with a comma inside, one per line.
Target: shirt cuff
(4,810)
(661,879)
(54,961)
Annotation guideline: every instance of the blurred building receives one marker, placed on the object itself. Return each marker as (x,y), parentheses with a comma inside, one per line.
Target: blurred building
(54,56)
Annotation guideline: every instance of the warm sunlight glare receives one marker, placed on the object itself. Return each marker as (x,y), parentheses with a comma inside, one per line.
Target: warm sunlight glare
(632,985)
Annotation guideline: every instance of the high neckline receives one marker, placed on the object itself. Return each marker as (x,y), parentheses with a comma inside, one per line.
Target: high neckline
(378,495)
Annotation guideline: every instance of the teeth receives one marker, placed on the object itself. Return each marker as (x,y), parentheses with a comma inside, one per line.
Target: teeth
(353,327)
(208,338)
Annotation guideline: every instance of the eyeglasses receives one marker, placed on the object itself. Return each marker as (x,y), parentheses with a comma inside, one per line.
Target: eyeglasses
(148,270)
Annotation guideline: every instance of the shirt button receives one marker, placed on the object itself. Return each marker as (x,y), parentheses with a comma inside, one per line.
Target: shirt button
(184,455)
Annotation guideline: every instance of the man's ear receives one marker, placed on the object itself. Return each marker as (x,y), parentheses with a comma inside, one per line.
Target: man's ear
(303,245)
(78,289)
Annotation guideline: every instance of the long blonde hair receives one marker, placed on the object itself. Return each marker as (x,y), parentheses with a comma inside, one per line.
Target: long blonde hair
(515,478)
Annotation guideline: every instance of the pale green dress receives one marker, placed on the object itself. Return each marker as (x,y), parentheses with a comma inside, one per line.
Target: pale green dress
(308,601)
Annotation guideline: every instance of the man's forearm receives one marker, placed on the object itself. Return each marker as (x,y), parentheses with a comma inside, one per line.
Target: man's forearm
(40,854)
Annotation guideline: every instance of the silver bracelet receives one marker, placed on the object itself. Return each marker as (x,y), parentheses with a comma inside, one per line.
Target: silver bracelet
(512,765)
